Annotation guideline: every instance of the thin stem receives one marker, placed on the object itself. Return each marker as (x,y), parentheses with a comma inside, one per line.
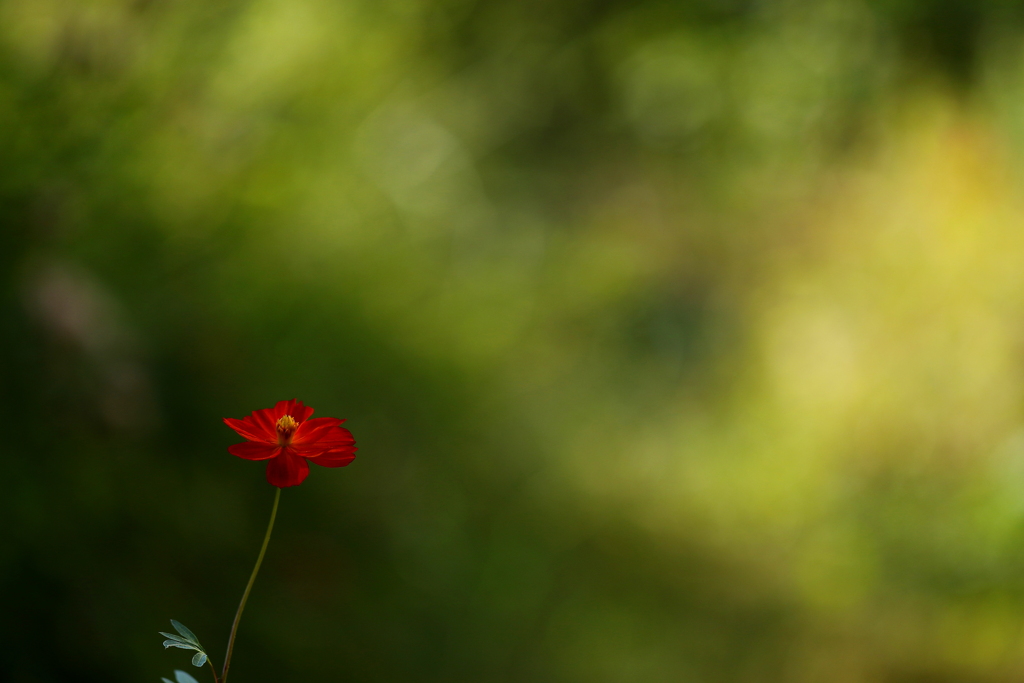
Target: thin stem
(248,587)
(212,667)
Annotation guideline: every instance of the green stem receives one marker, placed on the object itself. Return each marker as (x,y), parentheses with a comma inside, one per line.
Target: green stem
(248,587)
(212,667)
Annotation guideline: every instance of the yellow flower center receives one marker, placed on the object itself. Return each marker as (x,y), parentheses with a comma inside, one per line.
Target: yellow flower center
(286,427)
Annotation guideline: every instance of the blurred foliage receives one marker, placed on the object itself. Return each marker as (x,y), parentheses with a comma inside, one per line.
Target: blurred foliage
(682,340)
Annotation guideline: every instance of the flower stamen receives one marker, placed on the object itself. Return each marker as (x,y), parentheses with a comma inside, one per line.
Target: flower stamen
(286,427)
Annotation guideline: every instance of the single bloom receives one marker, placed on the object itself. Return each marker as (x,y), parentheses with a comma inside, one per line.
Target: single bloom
(286,437)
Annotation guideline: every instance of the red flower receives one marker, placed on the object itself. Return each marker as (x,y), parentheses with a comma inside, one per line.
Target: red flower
(286,437)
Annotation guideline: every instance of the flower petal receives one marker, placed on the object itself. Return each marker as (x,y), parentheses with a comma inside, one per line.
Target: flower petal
(287,469)
(302,412)
(294,407)
(313,430)
(330,439)
(254,450)
(266,420)
(337,458)
(339,437)
(248,429)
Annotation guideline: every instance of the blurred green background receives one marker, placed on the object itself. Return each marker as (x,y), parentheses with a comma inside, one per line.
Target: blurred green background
(682,340)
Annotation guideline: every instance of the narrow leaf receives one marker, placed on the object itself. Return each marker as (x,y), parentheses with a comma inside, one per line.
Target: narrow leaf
(174,636)
(184,677)
(180,628)
(183,646)
(165,680)
(199,659)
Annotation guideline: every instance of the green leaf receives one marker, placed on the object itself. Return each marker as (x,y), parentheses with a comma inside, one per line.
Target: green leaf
(184,677)
(180,628)
(165,680)
(174,636)
(177,643)
(199,659)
